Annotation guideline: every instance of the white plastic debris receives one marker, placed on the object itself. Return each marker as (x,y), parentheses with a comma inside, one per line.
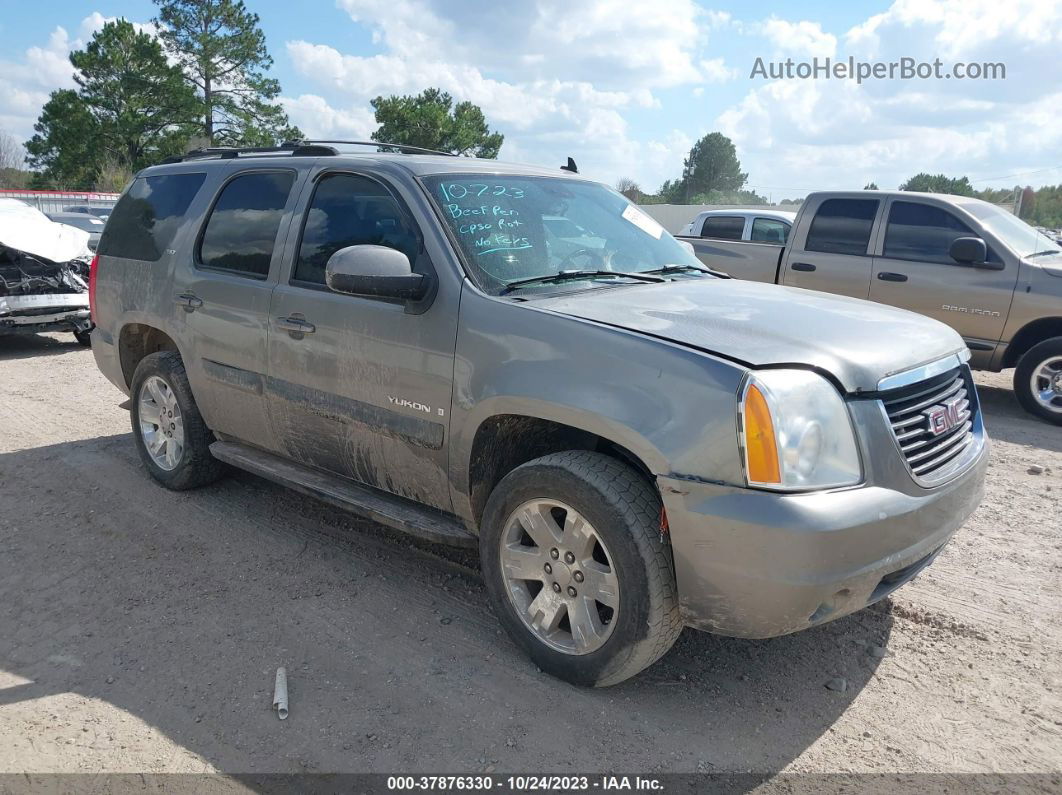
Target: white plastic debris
(280,693)
(27,229)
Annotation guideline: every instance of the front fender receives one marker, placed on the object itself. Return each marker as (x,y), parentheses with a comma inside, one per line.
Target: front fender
(673,407)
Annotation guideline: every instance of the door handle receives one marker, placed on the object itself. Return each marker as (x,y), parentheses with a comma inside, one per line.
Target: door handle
(802,266)
(190,301)
(889,276)
(295,325)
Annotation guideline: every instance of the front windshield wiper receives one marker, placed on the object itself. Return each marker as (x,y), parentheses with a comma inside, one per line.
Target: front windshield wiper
(1044,253)
(682,268)
(563,276)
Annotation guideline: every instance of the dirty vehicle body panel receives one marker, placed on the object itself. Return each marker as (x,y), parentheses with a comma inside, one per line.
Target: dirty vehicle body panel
(431,402)
(1009,298)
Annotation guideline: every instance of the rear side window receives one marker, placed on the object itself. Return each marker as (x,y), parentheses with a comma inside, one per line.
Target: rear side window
(349,210)
(921,232)
(146,218)
(769,230)
(842,226)
(724,227)
(242,229)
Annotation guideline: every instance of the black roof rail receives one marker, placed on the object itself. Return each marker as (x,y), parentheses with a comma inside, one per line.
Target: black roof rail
(295,148)
(403,148)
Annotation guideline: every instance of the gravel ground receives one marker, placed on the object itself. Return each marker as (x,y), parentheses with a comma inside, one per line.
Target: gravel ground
(140,630)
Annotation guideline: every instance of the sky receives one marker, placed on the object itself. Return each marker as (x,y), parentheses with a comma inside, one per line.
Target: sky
(627,87)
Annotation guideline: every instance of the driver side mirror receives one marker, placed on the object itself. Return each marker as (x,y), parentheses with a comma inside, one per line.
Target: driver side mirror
(374,272)
(968,250)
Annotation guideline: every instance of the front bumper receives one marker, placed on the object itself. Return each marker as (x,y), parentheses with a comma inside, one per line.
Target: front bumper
(757,564)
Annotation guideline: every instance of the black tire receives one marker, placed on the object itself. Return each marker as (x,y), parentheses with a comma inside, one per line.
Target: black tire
(624,510)
(196,466)
(1029,363)
(84,337)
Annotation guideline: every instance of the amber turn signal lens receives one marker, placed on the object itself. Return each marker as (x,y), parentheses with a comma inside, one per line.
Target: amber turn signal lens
(760,448)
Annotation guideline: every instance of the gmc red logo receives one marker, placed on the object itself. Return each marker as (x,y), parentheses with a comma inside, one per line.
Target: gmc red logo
(943,417)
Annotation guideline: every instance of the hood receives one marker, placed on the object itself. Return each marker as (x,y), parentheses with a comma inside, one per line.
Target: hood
(27,229)
(858,342)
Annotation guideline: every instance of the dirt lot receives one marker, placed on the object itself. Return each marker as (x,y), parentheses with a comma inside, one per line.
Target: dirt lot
(140,630)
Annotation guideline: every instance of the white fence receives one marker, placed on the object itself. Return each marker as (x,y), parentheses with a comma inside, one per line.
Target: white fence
(54,201)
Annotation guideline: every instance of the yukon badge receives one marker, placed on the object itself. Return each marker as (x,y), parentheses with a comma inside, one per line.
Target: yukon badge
(412,404)
(943,417)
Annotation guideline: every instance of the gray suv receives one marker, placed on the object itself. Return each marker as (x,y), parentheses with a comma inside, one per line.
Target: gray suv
(634,442)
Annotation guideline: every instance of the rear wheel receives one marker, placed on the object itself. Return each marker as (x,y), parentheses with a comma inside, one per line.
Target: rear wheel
(84,337)
(171,436)
(581,577)
(1038,380)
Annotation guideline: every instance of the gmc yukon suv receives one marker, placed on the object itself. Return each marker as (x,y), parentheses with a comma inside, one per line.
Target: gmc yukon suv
(634,443)
(987,274)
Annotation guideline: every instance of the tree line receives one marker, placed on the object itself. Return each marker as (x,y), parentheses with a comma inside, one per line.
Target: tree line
(201,79)
(711,174)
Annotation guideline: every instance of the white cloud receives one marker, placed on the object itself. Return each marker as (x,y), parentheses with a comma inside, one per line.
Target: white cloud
(558,78)
(25,84)
(715,70)
(798,38)
(807,134)
(318,119)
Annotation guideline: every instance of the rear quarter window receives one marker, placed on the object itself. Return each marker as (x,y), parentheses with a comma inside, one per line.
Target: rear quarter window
(147,217)
(242,228)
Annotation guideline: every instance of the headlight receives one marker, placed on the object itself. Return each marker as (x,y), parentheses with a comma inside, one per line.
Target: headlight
(796,433)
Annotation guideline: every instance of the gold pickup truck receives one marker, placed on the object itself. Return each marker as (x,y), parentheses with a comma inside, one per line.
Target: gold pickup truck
(983,271)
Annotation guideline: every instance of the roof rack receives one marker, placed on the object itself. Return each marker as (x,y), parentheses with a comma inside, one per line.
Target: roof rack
(295,148)
(403,148)
(305,148)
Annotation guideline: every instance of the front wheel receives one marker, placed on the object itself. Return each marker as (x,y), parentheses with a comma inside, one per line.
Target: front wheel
(581,577)
(1038,380)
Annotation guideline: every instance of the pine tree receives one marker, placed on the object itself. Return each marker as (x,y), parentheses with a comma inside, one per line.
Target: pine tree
(222,50)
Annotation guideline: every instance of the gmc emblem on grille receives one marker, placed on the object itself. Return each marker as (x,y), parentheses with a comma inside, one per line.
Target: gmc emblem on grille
(943,417)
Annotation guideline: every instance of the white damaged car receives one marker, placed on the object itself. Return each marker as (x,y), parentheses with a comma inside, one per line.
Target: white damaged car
(44,269)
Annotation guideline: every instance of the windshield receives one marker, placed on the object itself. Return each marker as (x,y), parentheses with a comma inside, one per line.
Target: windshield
(1017,235)
(515,228)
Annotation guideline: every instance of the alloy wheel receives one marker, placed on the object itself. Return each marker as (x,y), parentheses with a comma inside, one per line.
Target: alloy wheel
(559,576)
(161,423)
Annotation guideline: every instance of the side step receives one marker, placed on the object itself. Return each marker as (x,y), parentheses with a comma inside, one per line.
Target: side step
(379,506)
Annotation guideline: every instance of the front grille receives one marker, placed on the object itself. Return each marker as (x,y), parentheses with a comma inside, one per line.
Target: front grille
(934,424)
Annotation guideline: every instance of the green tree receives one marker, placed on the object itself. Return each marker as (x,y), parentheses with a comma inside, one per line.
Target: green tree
(131,109)
(432,121)
(712,165)
(222,51)
(629,188)
(65,150)
(871,186)
(939,183)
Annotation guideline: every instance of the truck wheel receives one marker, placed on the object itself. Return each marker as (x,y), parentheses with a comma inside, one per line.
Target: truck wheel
(84,337)
(580,575)
(1038,380)
(171,437)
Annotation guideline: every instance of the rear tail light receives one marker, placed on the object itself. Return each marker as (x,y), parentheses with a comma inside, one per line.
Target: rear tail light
(93,270)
